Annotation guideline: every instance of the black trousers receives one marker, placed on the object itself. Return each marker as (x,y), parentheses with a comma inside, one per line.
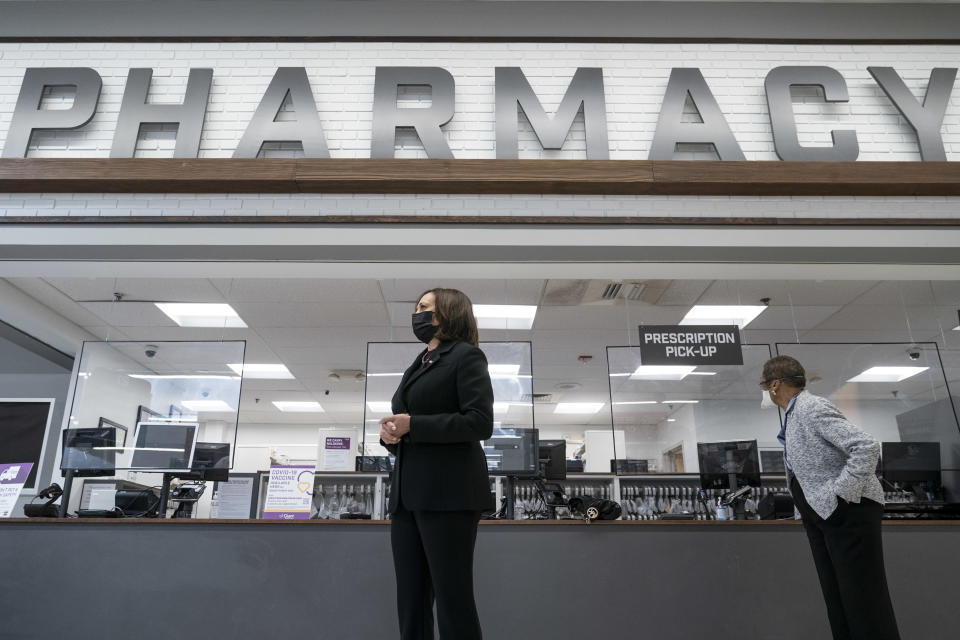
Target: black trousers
(848,553)
(433,558)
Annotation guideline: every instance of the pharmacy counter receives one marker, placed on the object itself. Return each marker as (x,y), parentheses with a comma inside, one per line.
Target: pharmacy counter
(535,580)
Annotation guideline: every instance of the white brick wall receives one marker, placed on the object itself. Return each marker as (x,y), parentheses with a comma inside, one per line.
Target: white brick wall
(342,78)
(114,204)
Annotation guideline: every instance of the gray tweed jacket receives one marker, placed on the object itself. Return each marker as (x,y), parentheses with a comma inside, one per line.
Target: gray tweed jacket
(830,456)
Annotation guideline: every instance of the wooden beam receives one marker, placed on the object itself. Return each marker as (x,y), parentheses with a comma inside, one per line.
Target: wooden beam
(581,177)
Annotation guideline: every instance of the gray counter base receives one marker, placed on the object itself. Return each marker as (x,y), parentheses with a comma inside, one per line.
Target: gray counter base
(335,582)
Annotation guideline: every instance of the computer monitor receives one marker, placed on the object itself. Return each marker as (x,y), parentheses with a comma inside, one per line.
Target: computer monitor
(629,465)
(164,446)
(512,452)
(911,462)
(92,452)
(729,465)
(771,461)
(553,459)
(211,461)
(146,414)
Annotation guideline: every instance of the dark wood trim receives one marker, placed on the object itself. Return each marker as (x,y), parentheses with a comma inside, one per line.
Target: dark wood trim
(578,221)
(571,177)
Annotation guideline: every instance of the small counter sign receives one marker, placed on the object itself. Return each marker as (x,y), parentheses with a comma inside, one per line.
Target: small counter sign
(690,344)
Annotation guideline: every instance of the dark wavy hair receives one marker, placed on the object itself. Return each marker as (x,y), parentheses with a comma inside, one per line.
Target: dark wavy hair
(454,312)
(787,369)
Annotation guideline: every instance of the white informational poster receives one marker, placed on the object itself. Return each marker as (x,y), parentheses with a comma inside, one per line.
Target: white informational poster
(12,478)
(232,499)
(336,450)
(290,492)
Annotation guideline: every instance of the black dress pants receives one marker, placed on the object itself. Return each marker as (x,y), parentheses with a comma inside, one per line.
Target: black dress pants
(433,558)
(848,554)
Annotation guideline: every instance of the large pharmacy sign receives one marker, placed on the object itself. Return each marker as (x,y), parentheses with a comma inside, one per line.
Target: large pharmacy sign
(585,91)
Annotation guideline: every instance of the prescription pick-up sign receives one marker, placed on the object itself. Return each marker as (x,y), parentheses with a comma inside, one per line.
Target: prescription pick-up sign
(690,345)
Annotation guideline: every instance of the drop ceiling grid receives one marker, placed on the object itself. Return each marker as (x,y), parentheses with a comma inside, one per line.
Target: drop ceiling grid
(278,310)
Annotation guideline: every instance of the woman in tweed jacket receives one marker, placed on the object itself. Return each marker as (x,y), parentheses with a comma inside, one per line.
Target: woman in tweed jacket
(831,467)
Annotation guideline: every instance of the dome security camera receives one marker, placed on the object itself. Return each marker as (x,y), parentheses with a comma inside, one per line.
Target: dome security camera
(913,354)
(150,350)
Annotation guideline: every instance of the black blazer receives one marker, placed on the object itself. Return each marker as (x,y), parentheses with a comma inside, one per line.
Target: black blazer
(440,465)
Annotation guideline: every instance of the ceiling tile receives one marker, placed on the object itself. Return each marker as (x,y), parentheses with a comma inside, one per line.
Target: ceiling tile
(139,289)
(332,292)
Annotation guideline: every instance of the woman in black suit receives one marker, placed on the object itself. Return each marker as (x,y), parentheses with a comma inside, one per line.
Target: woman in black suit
(442,409)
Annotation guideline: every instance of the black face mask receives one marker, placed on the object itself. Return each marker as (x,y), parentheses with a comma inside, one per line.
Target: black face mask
(423,326)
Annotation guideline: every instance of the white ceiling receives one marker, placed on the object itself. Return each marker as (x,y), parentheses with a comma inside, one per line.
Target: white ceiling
(315,326)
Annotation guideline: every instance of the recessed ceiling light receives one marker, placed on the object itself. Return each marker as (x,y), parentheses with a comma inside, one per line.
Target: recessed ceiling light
(380,407)
(578,407)
(265,371)
(503,407)
(201,315)
(739,315)
(206,405)
(702,373)
(505,370)
(671,419)
(887,374)
(637,402)
(298,407)
(658,372)
(504,316)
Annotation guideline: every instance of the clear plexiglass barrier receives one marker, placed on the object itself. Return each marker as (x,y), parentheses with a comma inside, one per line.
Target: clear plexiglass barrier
(898,393)
(154,407)
(510,373)
(665,418)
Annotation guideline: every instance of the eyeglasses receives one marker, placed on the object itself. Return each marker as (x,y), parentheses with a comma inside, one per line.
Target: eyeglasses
(763,384)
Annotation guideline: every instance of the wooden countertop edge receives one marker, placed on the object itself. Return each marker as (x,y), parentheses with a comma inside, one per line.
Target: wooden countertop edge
(509,523)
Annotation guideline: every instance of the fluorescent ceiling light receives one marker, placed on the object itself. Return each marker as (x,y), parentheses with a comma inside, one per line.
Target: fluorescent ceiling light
(637,402)
(671,419)
(179,377)
(380,407)
(201,315)
(657,372)
(265,371)
(722,314)
(298,407)
(206,405)
(702,373)
(504,316)
(578,407)
(681,402)
(503,407)
(384,375)
(506,370)
(887,374)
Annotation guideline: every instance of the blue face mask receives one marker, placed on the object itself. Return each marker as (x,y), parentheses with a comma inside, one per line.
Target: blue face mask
(423,326)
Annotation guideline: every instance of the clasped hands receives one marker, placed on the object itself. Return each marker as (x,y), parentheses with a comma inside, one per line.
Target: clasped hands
(392,428)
